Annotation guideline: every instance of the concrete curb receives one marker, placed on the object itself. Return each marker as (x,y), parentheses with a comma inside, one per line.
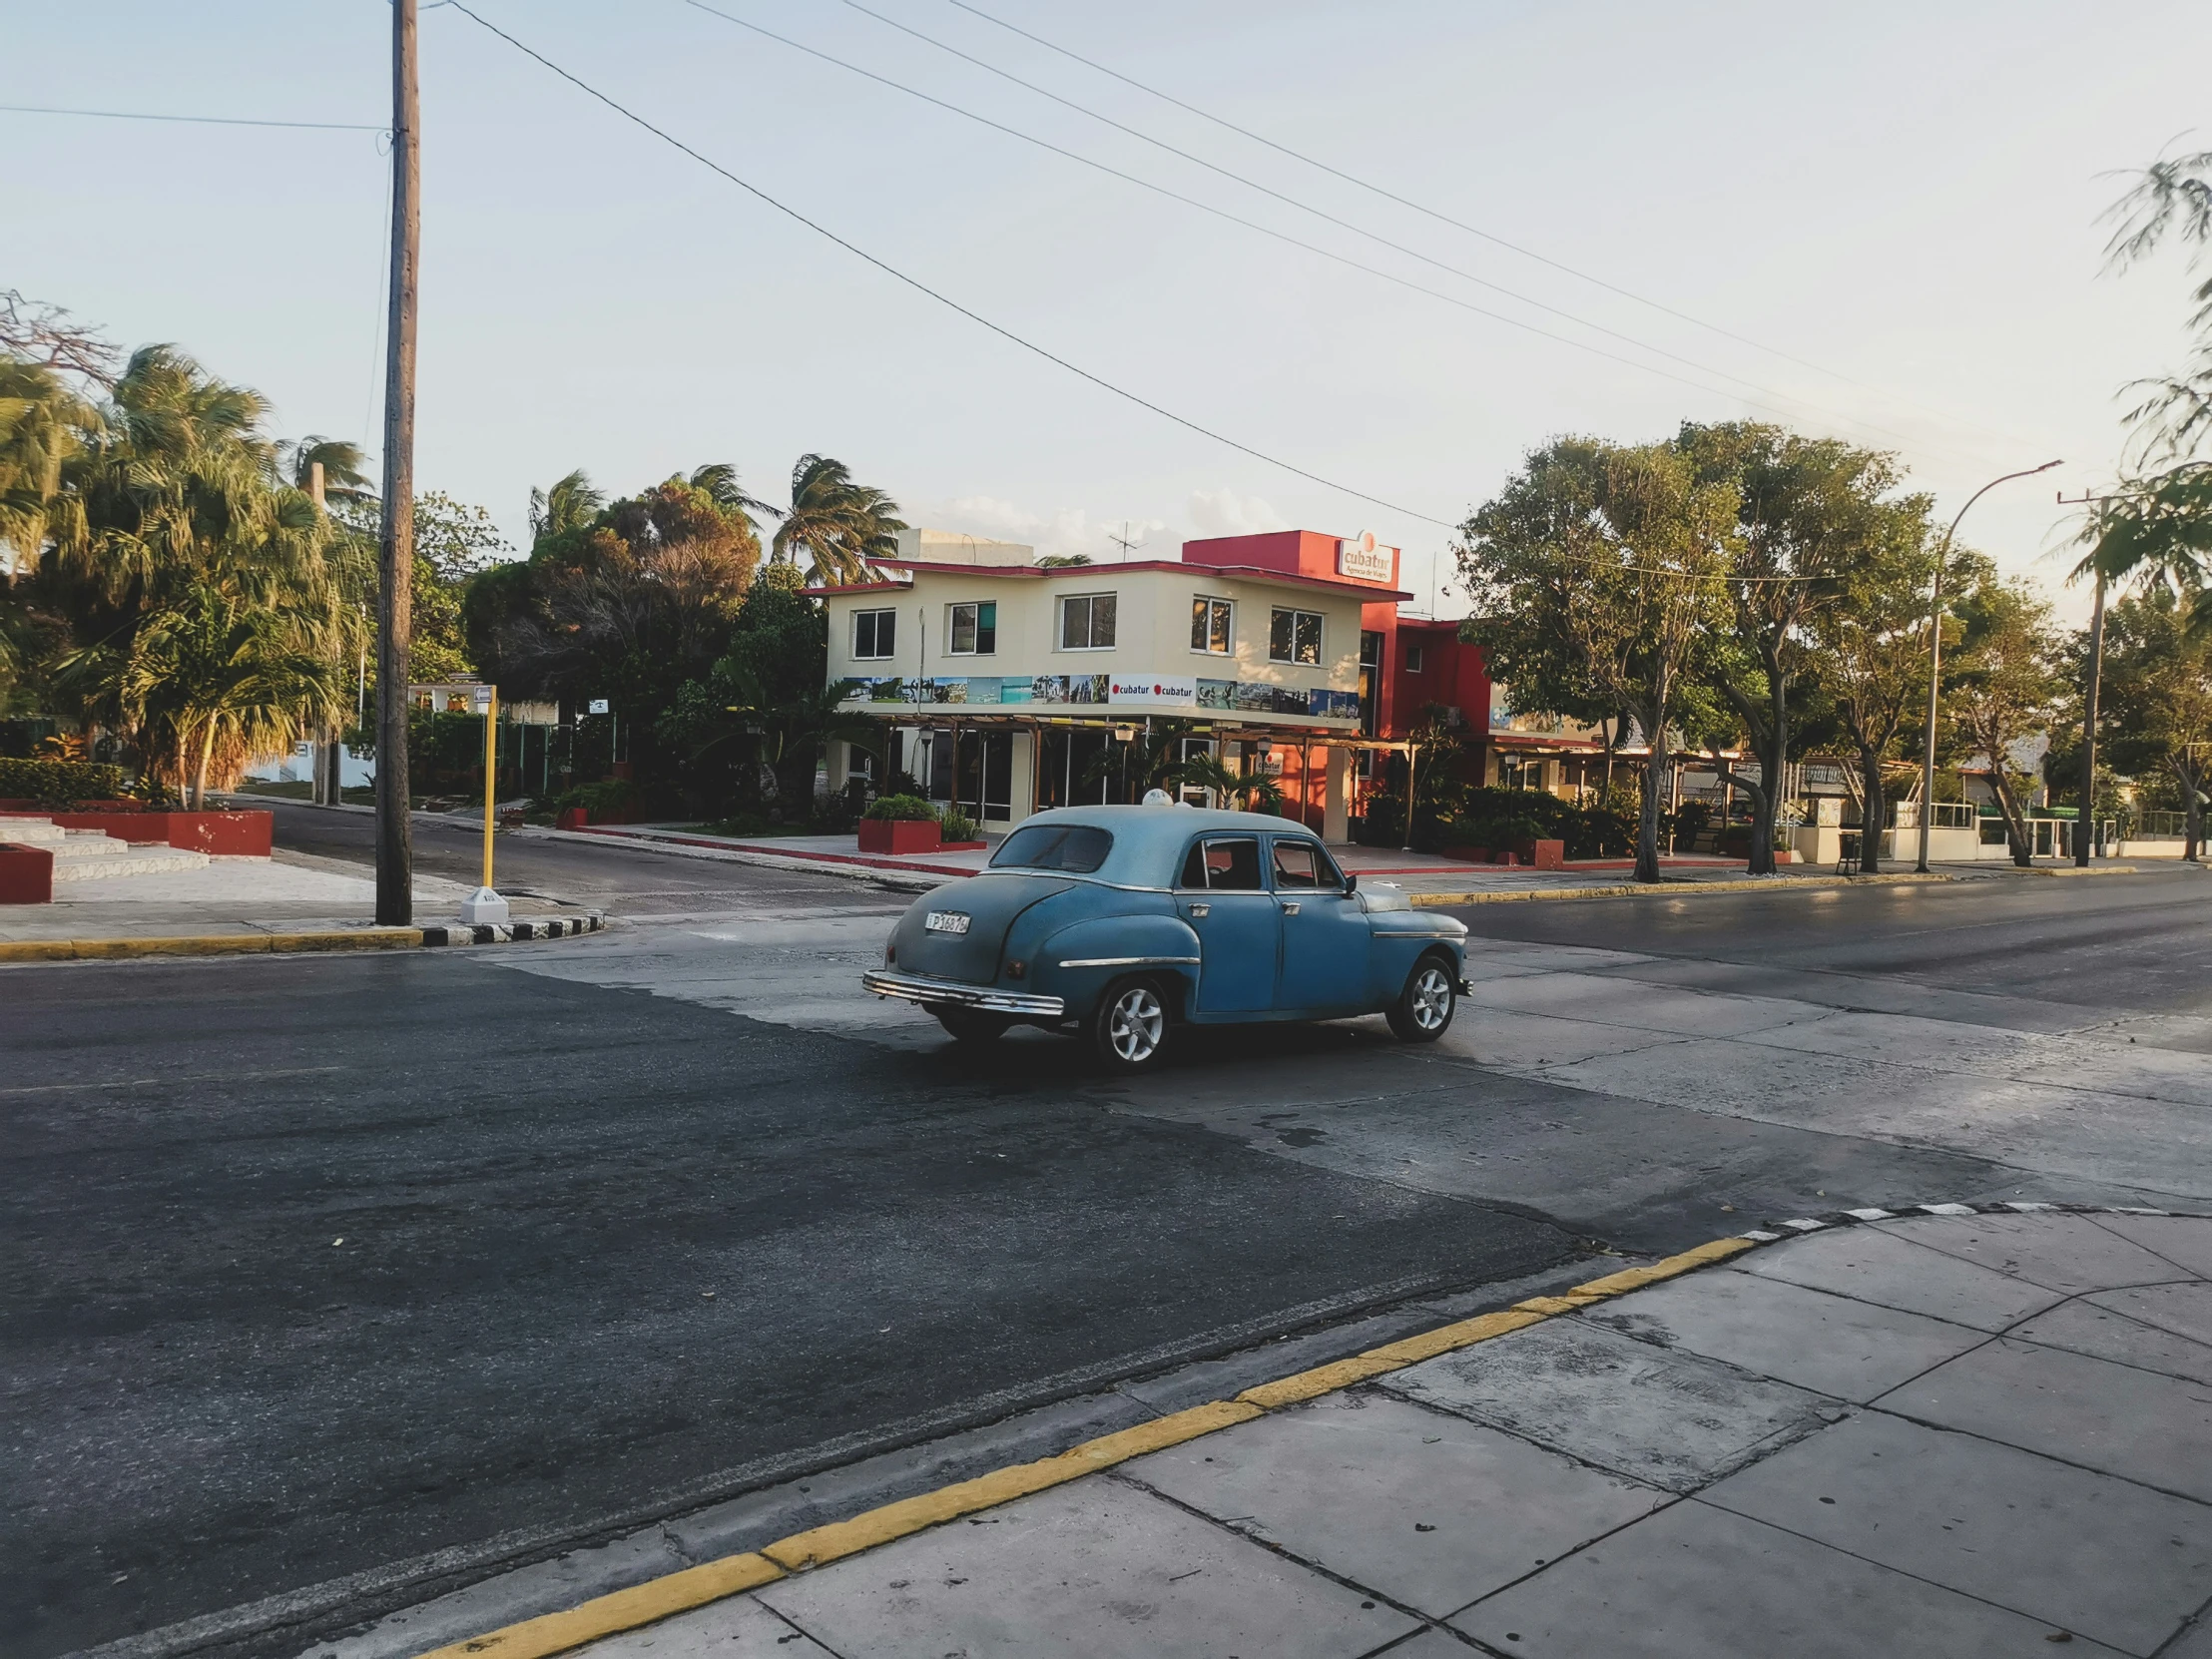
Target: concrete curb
(254,945)
(1669,890)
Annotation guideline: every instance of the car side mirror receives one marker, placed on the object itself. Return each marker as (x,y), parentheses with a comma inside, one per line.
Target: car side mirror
(1352,882)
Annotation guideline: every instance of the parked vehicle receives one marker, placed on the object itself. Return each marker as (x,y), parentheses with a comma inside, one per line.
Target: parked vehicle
(1126,922)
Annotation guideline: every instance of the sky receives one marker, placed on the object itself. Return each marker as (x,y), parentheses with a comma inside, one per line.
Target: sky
(1882,220)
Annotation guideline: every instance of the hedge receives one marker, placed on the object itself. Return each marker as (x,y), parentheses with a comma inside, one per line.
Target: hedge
(905,808)
(57,783)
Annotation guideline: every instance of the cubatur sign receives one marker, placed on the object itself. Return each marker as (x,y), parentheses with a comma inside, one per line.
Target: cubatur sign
(1363,559)
(1174,694)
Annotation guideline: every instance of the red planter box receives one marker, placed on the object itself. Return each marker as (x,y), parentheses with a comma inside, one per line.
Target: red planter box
(571,818)
(961,846)
(246,834)
(900,835)
(1551,854)
(26,874)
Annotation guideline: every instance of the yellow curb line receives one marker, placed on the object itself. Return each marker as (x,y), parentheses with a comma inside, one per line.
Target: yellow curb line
(1667,889)
(680,1592)
(207,945)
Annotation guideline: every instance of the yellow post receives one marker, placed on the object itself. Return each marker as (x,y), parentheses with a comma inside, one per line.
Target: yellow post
(491,772)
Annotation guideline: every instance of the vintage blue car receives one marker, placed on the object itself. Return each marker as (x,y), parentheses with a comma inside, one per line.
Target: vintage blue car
(1125,922)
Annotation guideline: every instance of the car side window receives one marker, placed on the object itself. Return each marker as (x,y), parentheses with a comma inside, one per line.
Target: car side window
(1194,867)
(1294,866)
(1232,864)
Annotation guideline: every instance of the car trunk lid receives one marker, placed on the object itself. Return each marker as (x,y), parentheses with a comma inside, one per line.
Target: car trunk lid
(973,916)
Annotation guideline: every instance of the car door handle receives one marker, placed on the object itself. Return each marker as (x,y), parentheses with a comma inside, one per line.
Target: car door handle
(1201,910)
(1290,906)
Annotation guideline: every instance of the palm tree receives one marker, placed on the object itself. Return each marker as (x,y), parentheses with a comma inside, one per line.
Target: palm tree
(41,427)
(840,525)
(343,463)
(1250,791)
(569,505)
(719,481)
(218,672)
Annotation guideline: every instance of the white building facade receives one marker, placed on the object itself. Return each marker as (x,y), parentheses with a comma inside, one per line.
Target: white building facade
(1007,685)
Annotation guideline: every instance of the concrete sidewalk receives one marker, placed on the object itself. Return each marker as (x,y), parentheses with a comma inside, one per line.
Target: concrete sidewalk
(1956,1434)
(289,892)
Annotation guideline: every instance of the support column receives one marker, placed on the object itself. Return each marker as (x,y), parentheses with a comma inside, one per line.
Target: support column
(1336,821)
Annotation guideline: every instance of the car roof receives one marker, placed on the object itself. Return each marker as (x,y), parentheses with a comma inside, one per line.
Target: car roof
(1149,840)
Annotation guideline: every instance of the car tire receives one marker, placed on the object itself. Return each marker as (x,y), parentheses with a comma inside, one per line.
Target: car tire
(1129,1027)
(1424,1009)
(968,1025)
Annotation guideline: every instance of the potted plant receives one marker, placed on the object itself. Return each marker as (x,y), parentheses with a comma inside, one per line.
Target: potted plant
(901,824)
(958,832)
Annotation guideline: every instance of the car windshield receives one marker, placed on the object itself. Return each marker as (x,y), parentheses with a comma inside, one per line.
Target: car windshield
(1081,847)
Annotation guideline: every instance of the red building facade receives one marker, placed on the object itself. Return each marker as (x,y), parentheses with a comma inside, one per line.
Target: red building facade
(1408,666)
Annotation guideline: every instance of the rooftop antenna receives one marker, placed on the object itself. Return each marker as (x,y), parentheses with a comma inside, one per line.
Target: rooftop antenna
(1123,542)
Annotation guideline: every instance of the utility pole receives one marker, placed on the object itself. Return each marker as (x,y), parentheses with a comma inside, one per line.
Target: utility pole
(2085,824)
(1873,822)
(394,600)
(323,789)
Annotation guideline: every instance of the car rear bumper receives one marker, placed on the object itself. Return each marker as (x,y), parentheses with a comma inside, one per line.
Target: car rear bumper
(951,993)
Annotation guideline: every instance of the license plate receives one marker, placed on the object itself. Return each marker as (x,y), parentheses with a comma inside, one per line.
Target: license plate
(946,921)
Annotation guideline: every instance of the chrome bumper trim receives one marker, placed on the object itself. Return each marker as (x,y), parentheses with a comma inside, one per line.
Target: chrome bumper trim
(953,994)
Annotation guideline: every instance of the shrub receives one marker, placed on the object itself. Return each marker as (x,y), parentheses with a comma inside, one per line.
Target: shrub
(904,808)
(57,783)
(612,795)
(959,827)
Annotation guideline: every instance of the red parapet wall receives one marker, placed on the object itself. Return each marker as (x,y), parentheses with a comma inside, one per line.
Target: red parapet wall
(26,874)
(245,835)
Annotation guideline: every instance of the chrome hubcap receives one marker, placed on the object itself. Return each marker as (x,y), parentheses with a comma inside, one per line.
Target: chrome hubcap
(1135,1025)
(1431,998)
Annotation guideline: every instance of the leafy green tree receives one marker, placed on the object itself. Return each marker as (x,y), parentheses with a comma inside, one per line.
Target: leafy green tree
(1869,652)
(836,523)
(1595,571)
(1810,512)
(2003,687)
(2156,714)
(763,707)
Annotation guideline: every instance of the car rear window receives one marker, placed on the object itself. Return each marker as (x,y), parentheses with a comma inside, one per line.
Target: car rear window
(1081,847)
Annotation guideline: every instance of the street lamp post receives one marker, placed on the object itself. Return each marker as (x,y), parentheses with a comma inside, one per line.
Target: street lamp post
(1935,664)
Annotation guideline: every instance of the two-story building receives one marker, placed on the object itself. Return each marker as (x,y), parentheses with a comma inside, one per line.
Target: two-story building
(1009,687)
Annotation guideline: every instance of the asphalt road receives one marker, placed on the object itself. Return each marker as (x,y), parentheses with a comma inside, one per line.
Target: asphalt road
(313,1266)
(625,880)
(2136,943)
(310,1266)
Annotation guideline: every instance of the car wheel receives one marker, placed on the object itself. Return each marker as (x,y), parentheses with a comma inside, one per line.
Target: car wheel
(968,1026)
(1129,1027)
(1424,1009)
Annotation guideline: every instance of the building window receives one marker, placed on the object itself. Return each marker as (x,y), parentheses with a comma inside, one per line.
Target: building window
(1295,637)
(1370,675)
(1210,630)
(1087,622)
(875,634)
(1413,659)
(975,629)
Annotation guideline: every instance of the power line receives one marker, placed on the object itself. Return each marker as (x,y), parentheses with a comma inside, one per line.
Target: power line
(1269,231)
(1347,225)
(922,287)
(198,120)
(1459,224)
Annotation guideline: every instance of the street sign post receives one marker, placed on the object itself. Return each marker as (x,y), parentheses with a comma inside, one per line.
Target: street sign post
(485,905)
